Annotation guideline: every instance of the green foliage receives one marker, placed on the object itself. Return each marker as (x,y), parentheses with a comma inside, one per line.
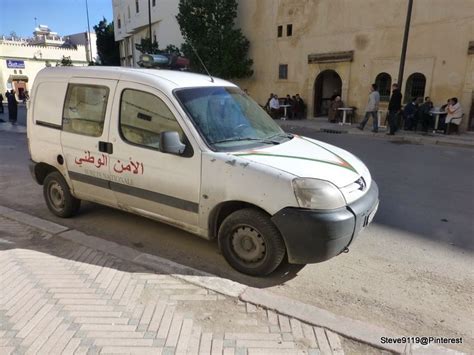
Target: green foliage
(172,49)
(209,27)
(146,46)
(107,48)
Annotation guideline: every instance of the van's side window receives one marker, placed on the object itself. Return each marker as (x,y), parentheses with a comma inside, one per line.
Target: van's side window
(84,109)
(143,117)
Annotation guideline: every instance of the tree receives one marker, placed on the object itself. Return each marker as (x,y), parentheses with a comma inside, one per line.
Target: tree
(209,27)
(147,47)
(172,49)
(107,48)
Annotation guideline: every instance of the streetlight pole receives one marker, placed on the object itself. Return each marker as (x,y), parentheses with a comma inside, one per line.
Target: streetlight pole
(405,44)
(149,21)
(89,33)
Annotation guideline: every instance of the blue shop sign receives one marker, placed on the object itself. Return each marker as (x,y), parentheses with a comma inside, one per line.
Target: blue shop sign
(15,64)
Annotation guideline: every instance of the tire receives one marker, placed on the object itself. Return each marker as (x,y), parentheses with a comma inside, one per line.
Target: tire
(251,243)
(58,196)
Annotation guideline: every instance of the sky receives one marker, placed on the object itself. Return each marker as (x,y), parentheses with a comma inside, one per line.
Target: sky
(62,16)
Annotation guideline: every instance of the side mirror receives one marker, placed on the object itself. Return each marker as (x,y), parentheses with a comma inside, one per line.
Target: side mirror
(171,144)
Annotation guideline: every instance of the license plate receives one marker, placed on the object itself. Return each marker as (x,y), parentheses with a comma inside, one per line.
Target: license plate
(372,214)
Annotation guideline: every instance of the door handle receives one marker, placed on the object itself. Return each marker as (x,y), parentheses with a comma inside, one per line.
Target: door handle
(106,147)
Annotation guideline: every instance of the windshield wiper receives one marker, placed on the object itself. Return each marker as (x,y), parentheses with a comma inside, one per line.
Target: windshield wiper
(237,139)
(284,135)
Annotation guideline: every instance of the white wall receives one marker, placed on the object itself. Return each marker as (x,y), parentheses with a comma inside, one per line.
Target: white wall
(32,65)
(163,19)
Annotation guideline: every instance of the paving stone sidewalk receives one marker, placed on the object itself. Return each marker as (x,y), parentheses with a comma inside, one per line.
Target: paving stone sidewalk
(58,297)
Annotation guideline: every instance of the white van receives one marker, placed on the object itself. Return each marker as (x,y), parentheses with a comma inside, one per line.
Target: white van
(197,153)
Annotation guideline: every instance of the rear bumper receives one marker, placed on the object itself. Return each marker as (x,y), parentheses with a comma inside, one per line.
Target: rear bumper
(314,236)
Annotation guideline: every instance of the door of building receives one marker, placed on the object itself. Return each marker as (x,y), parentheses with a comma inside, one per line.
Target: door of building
(327,83)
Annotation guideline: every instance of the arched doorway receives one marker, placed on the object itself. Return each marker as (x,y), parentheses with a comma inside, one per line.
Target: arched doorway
(327,83)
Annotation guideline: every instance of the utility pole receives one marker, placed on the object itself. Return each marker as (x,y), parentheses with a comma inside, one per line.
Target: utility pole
(89,34)
(405,43)
(149,21)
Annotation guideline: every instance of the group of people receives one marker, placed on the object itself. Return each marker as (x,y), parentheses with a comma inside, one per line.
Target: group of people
(295,107)
(12,105)
(413,114)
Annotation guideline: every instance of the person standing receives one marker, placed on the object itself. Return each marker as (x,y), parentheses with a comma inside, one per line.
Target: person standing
(394,109)
(371,109)
(275,107)
(1,104)
(299,107)
(290,103)
(12,107)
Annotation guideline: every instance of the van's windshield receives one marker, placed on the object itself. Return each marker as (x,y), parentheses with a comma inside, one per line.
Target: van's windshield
(228,119)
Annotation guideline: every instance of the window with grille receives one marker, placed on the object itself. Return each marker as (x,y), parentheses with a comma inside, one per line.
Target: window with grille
(384,81)
(280,31)
(283,71)
(415,87)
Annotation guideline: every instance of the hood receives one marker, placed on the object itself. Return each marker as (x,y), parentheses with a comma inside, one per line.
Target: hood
(306,157)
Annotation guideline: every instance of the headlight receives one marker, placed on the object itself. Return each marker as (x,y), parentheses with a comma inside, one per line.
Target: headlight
(318,194)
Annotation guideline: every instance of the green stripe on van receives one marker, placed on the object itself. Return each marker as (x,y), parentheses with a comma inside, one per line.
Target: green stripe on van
(345,163)
(341,165)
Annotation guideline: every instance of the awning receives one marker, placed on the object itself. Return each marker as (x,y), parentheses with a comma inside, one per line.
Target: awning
(17,77)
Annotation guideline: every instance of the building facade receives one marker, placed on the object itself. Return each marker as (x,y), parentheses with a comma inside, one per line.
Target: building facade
(326,46)
(22,58)
(322,47)
(83,39)
(131,25)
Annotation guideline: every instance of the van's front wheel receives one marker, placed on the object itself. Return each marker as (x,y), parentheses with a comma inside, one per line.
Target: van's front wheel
(58,196)
(251,243)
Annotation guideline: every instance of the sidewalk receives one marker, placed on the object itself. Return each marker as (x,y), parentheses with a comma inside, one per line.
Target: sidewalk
(67,292)
(321,124)
(8,127)
(64,298)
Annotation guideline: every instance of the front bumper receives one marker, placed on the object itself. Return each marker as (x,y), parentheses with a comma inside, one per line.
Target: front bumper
(314,236)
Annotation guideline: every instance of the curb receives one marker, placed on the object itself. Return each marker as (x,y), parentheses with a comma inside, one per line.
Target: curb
(347,327)
(8,127)
(408,139)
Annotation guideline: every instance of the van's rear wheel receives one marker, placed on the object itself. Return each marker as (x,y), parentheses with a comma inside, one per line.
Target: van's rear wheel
(251,243)
(58,196)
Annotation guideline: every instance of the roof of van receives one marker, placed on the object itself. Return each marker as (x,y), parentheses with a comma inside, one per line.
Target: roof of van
(172,79)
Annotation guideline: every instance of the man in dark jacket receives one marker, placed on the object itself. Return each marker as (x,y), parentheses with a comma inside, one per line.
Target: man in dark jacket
(394,108)
(425,113)
(12,107)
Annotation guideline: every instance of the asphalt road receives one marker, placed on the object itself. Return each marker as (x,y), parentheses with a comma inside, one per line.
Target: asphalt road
(411,271)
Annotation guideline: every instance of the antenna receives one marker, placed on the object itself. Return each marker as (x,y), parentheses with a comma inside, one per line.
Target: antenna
(202,63)
(197,55)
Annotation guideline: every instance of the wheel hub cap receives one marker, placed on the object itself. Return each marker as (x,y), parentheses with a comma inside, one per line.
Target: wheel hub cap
(248,244)
(56,194)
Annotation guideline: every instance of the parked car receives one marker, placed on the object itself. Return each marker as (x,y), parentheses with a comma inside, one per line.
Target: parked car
(197,153)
